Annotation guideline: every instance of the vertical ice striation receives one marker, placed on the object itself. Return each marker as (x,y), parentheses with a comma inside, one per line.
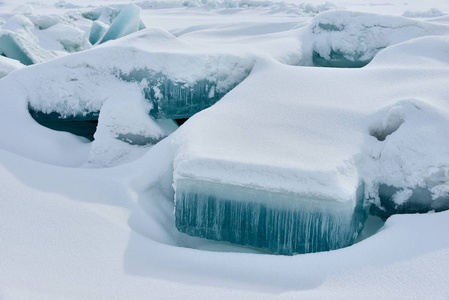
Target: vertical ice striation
(282,223)
(177,100)
(128,21)
(173,99)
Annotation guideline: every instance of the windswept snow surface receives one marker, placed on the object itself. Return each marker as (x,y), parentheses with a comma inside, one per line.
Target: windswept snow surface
(76,232)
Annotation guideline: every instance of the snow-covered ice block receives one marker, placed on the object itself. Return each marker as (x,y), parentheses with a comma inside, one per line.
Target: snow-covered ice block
(177,99)
(17,41)
(407,170)
(26,51)
(296,144)
(69,38)
(8,65)
(351,39)
(127,22)
(178,79)
(261,168)
(393,200)
(97,31)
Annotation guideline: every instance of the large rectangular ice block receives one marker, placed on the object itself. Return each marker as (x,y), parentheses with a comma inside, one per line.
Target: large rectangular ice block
(280,222)
(272,167)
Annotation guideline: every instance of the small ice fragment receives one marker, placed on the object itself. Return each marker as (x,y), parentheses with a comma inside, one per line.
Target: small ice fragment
(97,31)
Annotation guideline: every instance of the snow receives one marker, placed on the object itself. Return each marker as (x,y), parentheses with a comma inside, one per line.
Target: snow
(8,65)
(94,220)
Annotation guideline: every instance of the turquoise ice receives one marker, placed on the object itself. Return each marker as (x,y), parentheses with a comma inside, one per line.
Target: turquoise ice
(175,99)
(281,223)
(97,31)
(128,21)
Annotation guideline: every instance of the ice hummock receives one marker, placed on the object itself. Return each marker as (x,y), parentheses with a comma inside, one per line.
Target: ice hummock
(351,39)
(127,22)
(282,134)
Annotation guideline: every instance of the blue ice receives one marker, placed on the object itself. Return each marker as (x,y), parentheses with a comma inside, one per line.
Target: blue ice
(281,223)
(127,22)
(97,31)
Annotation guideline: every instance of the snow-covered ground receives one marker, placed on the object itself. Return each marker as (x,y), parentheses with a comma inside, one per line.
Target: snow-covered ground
(94,220)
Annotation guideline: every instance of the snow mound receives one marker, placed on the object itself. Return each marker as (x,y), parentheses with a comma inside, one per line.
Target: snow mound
(126,130)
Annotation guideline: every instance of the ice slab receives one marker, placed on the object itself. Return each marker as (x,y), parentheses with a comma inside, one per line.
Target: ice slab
(347,39)
(279,222)
(127,21)
(26,51)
